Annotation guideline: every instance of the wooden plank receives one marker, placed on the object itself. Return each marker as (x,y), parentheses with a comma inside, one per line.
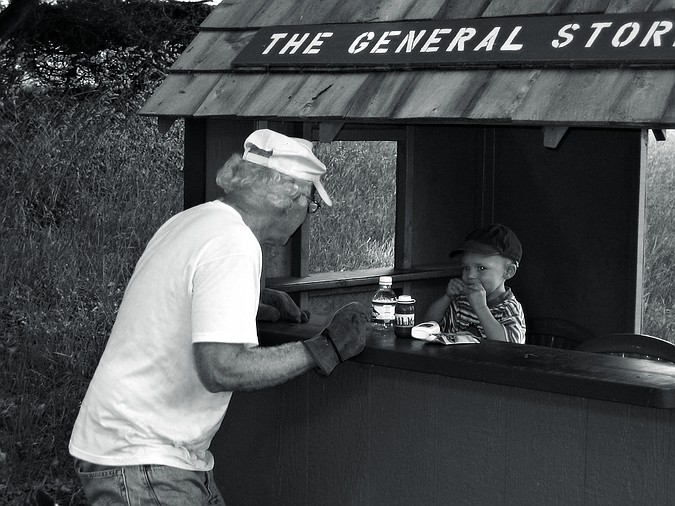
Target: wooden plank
(236,14)
(502,94)
(553,135)
(227,96)
(536,426)
(194,163)
(645,98)
(379,95)
(520,7)
(337,460)
(583,96)
(470,425)
(404,456)
(619,6)
(440,94)
(459,9)
(662,5)
(179,95)
(317,96)
(212,51)
(264,431)
(196,50)
(627,450)
(583,6)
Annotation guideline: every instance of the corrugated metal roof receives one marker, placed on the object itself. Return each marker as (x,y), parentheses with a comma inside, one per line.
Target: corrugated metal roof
(202,82)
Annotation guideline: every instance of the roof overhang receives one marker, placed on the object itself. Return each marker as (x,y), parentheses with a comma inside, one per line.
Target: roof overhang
(204,83)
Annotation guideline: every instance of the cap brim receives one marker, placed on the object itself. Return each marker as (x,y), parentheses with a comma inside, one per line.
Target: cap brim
(474,247)
(322,193)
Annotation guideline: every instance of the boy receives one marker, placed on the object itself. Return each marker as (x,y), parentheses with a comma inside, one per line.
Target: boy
(479,302)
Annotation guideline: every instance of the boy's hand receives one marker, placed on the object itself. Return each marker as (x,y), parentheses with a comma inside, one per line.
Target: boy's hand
(476,294)
(456,287)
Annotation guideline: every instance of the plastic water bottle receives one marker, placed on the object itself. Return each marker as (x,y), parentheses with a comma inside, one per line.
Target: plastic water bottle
(384,305)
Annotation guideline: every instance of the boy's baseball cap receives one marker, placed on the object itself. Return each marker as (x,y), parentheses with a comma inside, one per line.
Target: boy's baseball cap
(289,155)
(495,239)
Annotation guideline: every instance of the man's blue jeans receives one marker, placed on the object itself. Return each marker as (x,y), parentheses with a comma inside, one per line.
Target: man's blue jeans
(147,485)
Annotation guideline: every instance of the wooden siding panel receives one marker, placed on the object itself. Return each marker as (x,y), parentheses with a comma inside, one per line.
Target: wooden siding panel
(462,9)
(212,51)
(619,6)
(662,5)
(379,94)
(324,95)
(633,443)
(180,95)
(521,7)
(502,94)
(583,6)
(440,94)
(533,477)
(230,94)
(584,96)
(236,14)
(645,99)
(257,13)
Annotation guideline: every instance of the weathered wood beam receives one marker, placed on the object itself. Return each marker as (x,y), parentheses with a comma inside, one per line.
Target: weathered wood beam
(553,135)
(659,134)
(328,131)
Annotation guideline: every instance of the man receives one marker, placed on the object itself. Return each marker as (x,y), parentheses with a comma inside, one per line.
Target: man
(185,335)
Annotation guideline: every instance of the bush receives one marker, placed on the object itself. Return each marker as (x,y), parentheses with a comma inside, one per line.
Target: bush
(83,187)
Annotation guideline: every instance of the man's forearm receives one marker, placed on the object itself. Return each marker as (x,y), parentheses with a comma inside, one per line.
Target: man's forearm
(224,367)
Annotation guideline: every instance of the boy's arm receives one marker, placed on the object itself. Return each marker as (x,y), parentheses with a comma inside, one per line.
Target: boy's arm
(491,327)
(437,309)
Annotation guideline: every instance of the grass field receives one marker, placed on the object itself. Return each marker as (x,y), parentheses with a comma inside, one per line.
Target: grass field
(83,186)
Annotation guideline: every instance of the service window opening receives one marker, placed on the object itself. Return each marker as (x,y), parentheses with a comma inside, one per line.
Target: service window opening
(659,269)
(358,231)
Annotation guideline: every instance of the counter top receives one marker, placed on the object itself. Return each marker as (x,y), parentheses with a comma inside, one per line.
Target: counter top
(595,376)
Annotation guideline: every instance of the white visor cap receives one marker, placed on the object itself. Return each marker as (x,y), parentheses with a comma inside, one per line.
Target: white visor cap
(289,155)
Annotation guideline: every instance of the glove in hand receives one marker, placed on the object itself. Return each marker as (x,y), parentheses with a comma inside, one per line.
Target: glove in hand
(283,303)
(267,313)
(288,310)
(343,338)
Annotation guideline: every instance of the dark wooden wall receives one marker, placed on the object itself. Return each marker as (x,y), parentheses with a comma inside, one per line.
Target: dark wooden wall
(371,435)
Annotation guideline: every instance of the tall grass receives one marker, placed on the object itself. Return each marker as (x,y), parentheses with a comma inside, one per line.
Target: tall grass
(659,284)
(361,180)
(83,185)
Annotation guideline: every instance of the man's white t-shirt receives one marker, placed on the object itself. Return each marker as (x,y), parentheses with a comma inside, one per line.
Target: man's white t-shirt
(198,280)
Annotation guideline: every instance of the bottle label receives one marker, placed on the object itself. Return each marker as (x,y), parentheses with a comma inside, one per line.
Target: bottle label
(383,311)
(405,319)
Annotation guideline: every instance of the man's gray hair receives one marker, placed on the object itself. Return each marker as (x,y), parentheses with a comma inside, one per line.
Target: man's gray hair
(260,182)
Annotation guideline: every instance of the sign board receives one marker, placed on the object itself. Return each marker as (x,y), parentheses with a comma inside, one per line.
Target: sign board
(636,39)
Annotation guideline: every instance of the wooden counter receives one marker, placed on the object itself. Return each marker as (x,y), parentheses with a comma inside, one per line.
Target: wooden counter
(595,376)
(408,423)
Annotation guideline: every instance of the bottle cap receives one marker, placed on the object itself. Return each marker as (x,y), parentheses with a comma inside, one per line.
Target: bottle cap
(385,280)
(405,298)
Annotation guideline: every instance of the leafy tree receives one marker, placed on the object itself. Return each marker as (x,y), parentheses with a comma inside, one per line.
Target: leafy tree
(78,46)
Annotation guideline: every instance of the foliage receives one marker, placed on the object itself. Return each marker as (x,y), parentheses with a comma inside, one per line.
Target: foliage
(82,45)
(659,276)
(362,183)
(82,187)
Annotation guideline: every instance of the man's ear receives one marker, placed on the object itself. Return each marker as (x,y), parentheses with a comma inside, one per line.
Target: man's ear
(510,271)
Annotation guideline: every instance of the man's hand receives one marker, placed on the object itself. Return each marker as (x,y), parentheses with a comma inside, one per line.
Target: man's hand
(343,338)
(283,304)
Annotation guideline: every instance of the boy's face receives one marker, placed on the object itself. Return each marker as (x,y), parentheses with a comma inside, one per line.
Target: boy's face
(489,270)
